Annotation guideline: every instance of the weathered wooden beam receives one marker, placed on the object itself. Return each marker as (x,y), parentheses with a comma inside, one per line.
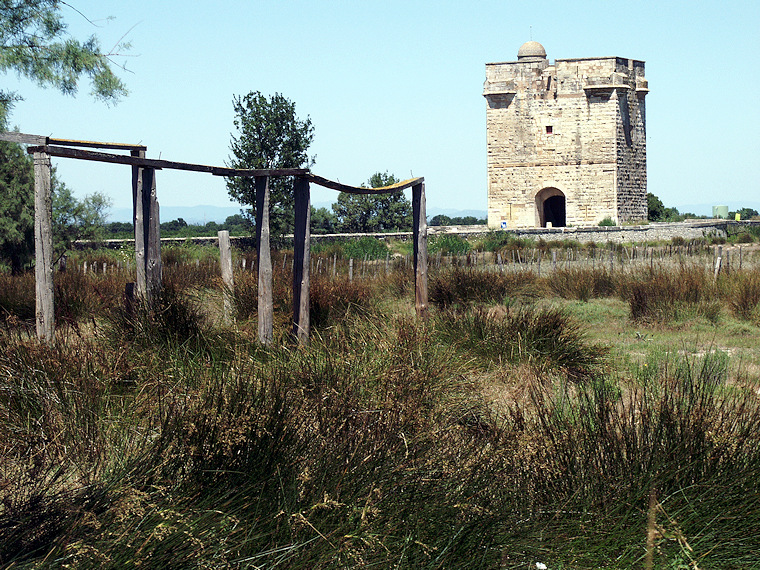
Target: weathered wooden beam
(358,190)
(95,144)
(43,248)
(23,138)
(157,164)
(420,250)
(264,261)
(301,255)
(153,267)
(138,219)
(225,260)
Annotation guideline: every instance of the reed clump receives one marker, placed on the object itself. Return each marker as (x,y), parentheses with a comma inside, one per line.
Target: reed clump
(163,437)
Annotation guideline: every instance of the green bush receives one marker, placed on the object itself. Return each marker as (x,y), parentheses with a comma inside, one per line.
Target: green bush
(448,244)
(365,247)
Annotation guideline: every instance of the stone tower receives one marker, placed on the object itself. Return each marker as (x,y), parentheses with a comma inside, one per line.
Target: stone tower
(566,142)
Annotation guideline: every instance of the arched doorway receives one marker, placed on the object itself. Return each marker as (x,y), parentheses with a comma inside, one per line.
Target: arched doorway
(550,207)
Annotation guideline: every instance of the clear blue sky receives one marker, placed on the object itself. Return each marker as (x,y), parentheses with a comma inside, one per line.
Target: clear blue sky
(396,85)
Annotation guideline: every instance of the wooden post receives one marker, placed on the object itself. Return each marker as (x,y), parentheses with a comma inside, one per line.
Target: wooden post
(138,219)
(420,250)
(225,260)
(147,230)
(351,269)
(43,248)
(718,261)
(153,269)
(264,261)
(301,253)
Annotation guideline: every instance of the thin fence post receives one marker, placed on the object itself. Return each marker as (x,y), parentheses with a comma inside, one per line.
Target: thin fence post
(225,260)
(420,250)
(718,261)
(351,269)
(301,255)
(728,261)
(264,262)
(43,248)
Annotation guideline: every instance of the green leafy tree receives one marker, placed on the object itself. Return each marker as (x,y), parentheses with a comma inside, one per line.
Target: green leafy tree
(16,206)
(74,219)
(323,221)
(35,44)
(365,213)
(467,221)
(440,220)
(744,214)
(173,225)
(268,134)
(655,207)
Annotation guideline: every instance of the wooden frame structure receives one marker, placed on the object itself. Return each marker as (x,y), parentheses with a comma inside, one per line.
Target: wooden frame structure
(147,226)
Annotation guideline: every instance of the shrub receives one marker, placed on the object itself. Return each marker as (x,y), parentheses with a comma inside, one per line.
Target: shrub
(607,222)
(448,244)
(365,247)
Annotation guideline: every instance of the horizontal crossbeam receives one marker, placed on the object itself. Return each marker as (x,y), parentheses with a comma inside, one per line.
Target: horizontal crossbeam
(359,190)
(157,164)
(39,140)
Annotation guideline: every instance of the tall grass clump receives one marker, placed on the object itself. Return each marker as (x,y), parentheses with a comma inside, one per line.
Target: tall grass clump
(659,296)
(83,296)
(17,297)
(332,298)
(582,283)
(460,286)
(545,337)
(171,319)
(743,293)
(677,455)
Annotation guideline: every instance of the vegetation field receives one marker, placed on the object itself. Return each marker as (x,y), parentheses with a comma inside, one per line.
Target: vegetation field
(599,409)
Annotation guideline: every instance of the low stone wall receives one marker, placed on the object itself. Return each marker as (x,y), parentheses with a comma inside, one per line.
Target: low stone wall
(616,234)
(599,234)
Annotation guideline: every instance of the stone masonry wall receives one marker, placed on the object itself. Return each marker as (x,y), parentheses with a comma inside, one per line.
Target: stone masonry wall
(561,126)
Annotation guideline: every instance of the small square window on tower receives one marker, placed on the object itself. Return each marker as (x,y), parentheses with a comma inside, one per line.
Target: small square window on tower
(549,129)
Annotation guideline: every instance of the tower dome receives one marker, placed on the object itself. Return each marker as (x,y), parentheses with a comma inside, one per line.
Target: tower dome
(531,51)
